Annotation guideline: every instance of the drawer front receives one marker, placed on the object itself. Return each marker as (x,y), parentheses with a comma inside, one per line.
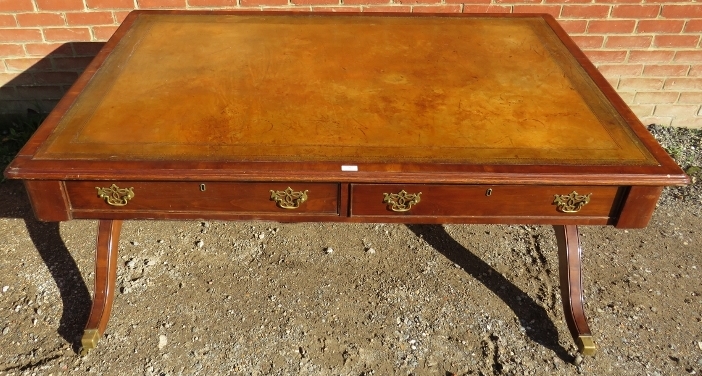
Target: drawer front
(480,200)
(310,198)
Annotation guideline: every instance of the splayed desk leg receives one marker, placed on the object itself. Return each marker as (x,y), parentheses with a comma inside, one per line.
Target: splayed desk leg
(569,262)
(105,277)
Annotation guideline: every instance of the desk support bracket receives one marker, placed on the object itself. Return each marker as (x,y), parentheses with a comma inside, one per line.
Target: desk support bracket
(569,262)
(105,278)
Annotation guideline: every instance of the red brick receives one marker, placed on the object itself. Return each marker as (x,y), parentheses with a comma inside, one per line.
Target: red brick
(40,19)
(14,79)
(104,32)
(641,83)
(676,110)
(465,2)
(613,81)
(146,4)
(286,8)
(120,16)
(55,78)
(388,8)
(688,56)
(585,11)
(410,2)
(7,20)
(40,92)
(651,56)
(23,64)
(20,35)
(486,9)
(567,1)
(683,83)
(695,71)
(690,98)
(619,41)
(655,97)
(444,8)
(588,41)
(642,110)
(605,56)
(87,48)
(611,26)
(660,26)
(340,9)
(11,50)
(89,18)
(76,64)
(620,70)
(60,4)
(693,26)
(690,122)
(573,26)
(16,5)
(519,1)
(110,4)
(554,10)
(617,1)
(635,11)
(67,34)
(212,3)
(315,2)
(674,41)
(249,3)
(44,49)
(666,70)
(682,11)
(364,2)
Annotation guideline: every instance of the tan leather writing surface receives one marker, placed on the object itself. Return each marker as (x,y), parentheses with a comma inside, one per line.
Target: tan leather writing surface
(348,89)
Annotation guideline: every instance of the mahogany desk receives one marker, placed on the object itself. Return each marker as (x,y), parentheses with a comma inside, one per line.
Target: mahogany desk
(348,118)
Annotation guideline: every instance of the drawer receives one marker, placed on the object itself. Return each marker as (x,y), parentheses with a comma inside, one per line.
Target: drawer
(483,200)
(203,197)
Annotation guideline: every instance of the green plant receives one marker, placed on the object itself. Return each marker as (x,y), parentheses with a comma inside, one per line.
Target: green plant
(15,130)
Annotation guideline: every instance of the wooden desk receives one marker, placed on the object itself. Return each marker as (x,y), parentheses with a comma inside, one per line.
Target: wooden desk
(346,118)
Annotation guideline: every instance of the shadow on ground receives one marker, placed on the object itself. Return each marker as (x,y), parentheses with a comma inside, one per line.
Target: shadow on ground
(531,315)
(46,237)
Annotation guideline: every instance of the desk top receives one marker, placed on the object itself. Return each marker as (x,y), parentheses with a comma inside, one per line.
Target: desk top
(225,88)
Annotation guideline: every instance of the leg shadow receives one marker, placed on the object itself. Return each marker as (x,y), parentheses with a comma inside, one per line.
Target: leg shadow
(531,315)
(75,295)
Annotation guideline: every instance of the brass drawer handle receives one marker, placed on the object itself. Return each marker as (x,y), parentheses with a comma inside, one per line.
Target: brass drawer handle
(571,203)
(401,202)
(289,199)
(115,195)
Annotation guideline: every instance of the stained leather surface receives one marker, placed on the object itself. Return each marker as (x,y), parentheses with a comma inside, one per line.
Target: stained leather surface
(350,89)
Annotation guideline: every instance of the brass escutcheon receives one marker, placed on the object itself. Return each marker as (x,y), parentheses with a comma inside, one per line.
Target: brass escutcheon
(402,201)
(289,199)
(115,195)
(571,203)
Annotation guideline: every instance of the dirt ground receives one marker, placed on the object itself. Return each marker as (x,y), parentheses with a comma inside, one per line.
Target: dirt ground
(264,298)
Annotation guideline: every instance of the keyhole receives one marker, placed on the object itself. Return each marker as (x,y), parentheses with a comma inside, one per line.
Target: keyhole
(202,187)
(488,192)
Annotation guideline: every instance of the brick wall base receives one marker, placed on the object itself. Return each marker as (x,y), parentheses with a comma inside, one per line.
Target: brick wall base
(648,50)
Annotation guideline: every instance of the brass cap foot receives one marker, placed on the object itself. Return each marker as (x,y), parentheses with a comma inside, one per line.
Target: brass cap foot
(89,341)
(586,345)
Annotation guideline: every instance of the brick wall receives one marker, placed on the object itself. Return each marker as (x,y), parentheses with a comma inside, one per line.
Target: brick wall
(648,50)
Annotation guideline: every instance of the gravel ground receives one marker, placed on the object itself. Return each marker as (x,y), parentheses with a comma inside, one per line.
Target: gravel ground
(264,298)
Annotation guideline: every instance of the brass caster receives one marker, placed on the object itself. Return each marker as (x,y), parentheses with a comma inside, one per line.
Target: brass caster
(89,341)
(586,345)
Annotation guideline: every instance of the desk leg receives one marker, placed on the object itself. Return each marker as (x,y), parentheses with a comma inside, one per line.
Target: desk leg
(569,262)
(105,277)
